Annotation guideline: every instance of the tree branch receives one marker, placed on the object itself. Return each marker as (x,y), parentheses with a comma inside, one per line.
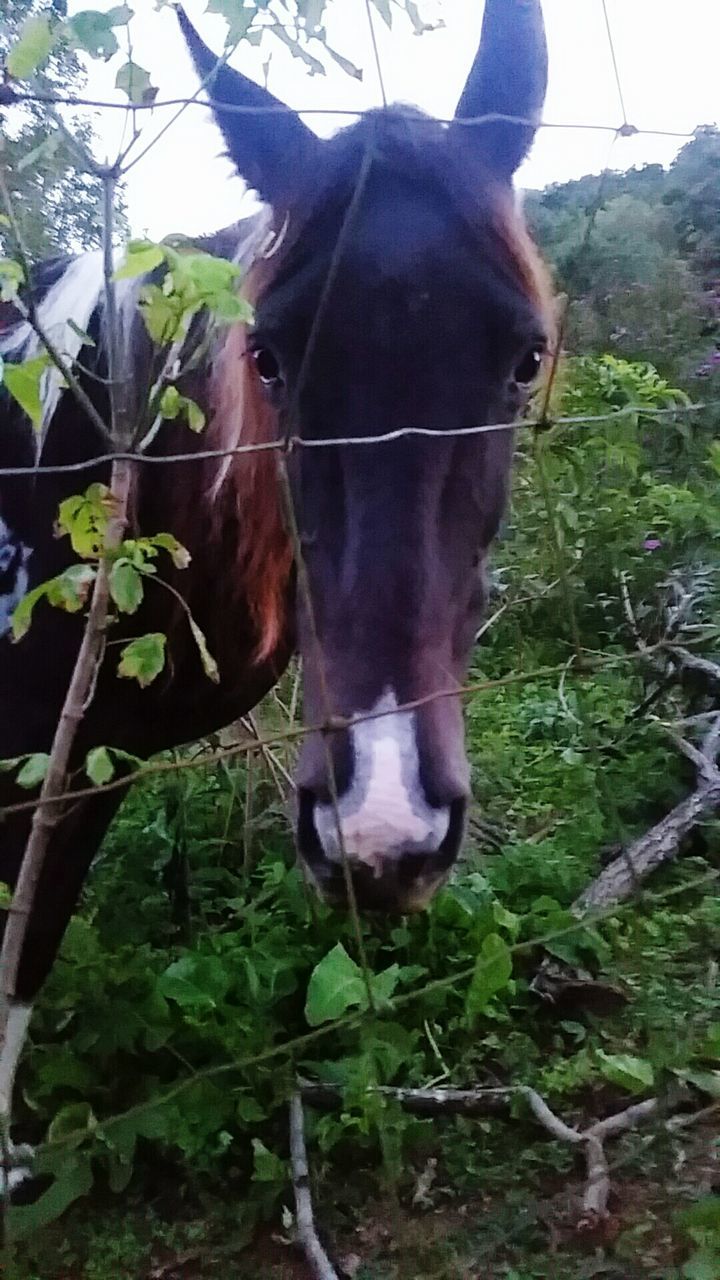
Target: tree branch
(305,1221)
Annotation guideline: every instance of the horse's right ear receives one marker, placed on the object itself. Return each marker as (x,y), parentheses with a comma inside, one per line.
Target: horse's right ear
(265,139)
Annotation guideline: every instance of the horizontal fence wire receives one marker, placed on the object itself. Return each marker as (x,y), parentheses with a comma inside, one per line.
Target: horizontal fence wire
(387,437)
(591,663)
(12,97)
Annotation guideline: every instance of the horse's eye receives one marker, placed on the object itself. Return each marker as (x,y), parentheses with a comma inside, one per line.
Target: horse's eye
(267,366)
(529,367)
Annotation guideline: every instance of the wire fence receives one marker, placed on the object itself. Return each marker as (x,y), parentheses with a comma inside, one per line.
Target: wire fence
(582,661)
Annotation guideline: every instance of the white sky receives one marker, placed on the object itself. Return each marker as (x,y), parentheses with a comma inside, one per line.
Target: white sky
(667,52)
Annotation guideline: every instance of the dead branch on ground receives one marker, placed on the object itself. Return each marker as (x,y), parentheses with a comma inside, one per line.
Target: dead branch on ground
(304,1218)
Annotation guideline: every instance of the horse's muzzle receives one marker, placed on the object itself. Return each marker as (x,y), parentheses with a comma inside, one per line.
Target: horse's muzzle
(390,882)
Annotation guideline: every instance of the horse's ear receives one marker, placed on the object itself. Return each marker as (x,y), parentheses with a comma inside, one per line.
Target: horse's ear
(508,77)
(266,141)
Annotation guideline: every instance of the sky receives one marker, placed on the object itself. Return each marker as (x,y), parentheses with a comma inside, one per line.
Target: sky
(666,50)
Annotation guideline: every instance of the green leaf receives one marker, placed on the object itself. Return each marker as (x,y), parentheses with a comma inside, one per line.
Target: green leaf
(493,970)
(344,63)
(71,1124)
(179,554)
(141,256)
(32,47)
(23,381)
(634,1074)
(126,586)
(70,589)
(22,615)
(210,666)
(84,517)
(34,770)
(195,415)
(336,984)
(238,16)
(143,659)
(99,766)
(12,276)
(170,402)
(134,80)
(383,8)
(704,1214)
(74,1180)
(267,1167)
(314,10)
(92,31)
(120,15)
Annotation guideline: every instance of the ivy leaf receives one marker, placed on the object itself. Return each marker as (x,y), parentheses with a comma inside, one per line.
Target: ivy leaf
(93,32)
(126,586)
(210,666)
(631,1073)
(493,970)
(31,49)
(34,770)
(143,659)
(141,256)
(134,81)
(23,381)
(99,766)
(336,984)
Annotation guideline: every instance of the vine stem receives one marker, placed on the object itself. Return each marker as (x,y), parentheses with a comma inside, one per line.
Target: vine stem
(78,695)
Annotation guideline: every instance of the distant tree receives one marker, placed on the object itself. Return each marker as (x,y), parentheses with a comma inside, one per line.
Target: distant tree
(642,270)
(58,207)
(693,197)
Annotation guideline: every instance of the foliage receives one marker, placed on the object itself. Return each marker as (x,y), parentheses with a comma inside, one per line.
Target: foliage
(58,208)
(639,256)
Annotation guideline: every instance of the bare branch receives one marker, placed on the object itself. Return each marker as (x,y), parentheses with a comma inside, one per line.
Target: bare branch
(305,1221)
(620,879)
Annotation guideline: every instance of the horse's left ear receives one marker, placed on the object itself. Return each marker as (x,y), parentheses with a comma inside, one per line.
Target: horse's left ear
(508,77)
(267,144)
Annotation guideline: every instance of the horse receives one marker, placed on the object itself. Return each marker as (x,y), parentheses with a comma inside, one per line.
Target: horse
(394,286)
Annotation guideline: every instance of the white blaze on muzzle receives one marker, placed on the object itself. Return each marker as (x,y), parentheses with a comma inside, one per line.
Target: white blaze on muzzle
(384,813)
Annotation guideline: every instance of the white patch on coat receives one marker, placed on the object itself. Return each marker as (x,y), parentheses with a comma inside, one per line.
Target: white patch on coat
(19,1157)
(14,556)
(384,813)
(74,297)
